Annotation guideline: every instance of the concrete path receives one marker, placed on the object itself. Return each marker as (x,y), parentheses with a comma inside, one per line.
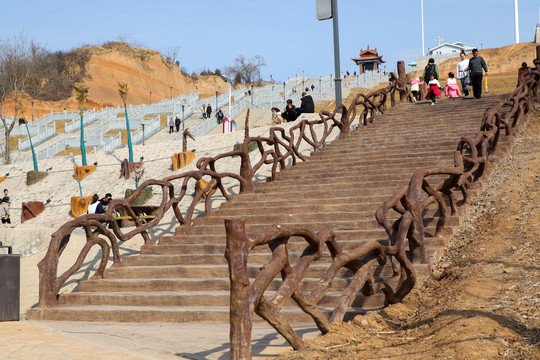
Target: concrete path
(50,340)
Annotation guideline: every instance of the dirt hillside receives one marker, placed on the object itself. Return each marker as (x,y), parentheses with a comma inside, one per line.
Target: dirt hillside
(144,70)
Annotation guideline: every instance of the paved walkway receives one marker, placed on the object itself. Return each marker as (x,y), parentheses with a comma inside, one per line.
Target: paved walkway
(49,340)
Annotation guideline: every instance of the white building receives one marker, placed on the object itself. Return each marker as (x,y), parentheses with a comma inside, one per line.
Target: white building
(449,50)
(440,53)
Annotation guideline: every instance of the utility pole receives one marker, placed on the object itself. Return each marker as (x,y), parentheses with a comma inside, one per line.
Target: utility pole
(183,119)
(422,15)
(217,93)
(516,21)
(336,52)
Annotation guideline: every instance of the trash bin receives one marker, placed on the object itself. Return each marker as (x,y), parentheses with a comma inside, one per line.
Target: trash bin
(10,285)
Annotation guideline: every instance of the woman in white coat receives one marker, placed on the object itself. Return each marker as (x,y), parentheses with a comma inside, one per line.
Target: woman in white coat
(463,73)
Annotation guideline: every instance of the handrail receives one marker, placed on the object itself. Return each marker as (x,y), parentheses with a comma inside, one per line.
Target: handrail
(471,160)
(470,164)
(246,297)
(280,148)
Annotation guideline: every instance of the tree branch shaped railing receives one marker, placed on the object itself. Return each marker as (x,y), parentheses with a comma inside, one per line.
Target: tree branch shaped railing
(407,232)
(471,160)
(247,298)
(277,149)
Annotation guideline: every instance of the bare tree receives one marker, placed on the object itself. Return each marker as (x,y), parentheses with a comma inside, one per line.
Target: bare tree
(246,71)
(171,53)
(17,65)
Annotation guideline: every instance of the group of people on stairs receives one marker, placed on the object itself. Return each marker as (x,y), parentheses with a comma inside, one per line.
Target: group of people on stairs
(470,72)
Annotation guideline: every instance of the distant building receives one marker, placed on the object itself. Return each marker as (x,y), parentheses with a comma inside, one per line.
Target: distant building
(449,50)
(440,53)
(369,60)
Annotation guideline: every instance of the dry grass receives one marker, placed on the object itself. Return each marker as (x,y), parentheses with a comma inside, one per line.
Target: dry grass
(123,134)
(60,126)
(14,141)
(74,151)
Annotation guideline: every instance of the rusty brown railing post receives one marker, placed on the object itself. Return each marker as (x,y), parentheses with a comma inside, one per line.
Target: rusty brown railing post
(241,311)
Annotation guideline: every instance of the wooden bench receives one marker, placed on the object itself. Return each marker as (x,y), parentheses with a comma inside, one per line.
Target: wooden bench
(142,212)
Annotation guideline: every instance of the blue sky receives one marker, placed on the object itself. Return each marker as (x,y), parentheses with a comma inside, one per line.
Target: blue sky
(287,34)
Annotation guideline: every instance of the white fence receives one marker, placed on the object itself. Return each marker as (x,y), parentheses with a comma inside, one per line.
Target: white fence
(107,119)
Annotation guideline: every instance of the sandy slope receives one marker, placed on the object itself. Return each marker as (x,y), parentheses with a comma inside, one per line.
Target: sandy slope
(144,70)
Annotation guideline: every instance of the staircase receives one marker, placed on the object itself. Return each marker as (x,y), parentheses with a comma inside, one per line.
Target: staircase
(185,277)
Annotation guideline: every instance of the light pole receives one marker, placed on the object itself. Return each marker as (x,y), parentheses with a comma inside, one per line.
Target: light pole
(142,134)
(284,90)
(32,111)
(196,87)
(150,98)
(171,92)
(272,105)
(336,52)
(320,82)
(516,21)
(217,93)
(183,125)
(251,94)
(303,81)
(34,159)
(422,15)
(230,101)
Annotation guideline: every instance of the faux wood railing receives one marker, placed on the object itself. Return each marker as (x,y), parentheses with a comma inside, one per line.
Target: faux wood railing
(275,150)
(410,202)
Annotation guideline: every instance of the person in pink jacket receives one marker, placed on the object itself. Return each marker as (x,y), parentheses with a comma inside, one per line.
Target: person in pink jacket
(415,88)
(452,89)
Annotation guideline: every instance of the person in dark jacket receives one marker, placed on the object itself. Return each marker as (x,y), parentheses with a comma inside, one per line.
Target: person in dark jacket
(177,124)
(431,69)
(306,105)
(289,113)
(476,64)
(219,116)
(208,111)
(105,201)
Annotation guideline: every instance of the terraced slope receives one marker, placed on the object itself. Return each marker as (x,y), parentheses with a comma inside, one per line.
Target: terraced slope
(185,278)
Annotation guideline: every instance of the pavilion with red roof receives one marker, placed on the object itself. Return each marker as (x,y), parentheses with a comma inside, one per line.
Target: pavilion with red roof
(368,60)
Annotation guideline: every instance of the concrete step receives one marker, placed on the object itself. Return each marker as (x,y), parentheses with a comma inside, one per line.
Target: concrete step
(302,168)
(175,314)
(334,219)
(339,184)
(186,284)
(296,244)
(259,224)
(162,259)
(193,298)
(213,271)
(218,237)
